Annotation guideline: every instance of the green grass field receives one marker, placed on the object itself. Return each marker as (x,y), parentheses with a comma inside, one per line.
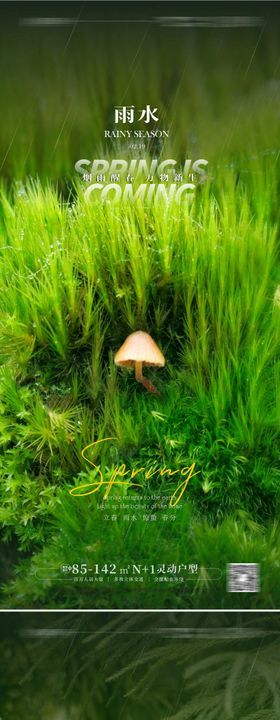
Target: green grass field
(202,279)
(202,282)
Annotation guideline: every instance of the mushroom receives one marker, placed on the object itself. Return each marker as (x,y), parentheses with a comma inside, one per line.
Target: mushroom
(140,349)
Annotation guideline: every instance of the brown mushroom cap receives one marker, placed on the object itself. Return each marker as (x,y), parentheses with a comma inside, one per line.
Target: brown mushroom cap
(139,347)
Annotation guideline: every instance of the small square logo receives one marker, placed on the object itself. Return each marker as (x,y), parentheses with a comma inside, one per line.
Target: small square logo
(243,577)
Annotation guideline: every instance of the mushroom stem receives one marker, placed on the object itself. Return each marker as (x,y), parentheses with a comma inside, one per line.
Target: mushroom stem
(140,378)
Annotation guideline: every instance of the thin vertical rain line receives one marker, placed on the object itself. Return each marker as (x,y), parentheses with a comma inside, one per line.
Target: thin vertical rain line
(172,104)
(28,151)
(73,637)
(9,147)
(134,60)
(255,50)
(236,119)
(179,697)
(276,69)
(254,661)
(277,157)
(140,655)
(61,131)
(173,101)
(73,29)
(177,91)
(42,655)
(273,96)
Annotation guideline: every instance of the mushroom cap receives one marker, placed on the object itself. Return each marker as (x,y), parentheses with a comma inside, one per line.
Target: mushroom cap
(139,347)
